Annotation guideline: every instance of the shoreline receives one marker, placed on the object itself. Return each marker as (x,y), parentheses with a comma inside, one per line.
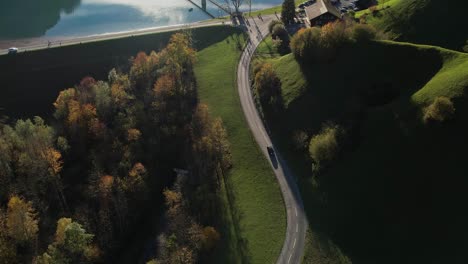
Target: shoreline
(56,41)
(32,43)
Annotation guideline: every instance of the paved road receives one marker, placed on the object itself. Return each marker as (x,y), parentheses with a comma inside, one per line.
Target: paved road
(293,247)
(38,44)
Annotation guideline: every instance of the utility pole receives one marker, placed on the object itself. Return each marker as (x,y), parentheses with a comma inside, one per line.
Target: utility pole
(204,4)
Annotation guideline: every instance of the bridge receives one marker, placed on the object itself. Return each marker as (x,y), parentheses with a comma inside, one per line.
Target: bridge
(226,8)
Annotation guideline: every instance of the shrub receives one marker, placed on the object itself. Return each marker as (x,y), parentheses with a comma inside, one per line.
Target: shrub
(324,147)
(363,19)
(278,44)
(333,35)
(440,110)
(281,37)
(299,139)
(272,24)
(256,67)
(305,42)
(210,237)
(373,10)
(279,31)
(363,33)
(465,48)
(268,86)
(351,14)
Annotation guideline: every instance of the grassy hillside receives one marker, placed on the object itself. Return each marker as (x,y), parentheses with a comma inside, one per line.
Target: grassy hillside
(434,22)
(257,220)
(272,10)
(395,193)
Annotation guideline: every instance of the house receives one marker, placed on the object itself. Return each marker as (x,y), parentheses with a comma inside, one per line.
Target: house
(322,12)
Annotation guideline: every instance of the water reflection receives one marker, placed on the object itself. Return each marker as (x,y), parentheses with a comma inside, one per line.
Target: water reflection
(65,18)
(32,18)
(105,16)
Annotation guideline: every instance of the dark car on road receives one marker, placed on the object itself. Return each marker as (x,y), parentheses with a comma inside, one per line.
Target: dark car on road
(273,158)
(271,151)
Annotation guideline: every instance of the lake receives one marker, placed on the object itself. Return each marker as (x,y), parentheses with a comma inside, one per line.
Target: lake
(23,19)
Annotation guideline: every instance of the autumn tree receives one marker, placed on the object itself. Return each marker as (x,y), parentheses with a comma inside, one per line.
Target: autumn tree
(6,166)
(184,237)
(85,90)
(272,24)
(71,245)
(104,136)
(210,147)
(440,110)
(281,36)
(134,184)
(324,147)
(268,86)
(8,253)
(103,100)
(54,160)
(144,70)
(363,33)
(21,221)
(333,36)
(305,44)
(26,165)
(210,237)
(62,101)
(182,255)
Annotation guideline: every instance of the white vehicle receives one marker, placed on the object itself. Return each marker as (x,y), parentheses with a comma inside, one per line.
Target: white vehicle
(12,50)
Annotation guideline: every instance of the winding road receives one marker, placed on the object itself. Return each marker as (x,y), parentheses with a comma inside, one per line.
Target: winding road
(293,247)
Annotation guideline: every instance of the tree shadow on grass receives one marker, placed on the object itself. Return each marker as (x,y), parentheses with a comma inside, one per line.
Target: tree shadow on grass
(239,251)
(380,202)
(42,74)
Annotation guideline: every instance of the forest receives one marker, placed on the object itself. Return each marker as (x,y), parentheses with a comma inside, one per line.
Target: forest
(135,148)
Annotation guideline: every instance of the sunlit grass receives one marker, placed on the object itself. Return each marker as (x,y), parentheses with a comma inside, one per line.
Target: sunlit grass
(257,229)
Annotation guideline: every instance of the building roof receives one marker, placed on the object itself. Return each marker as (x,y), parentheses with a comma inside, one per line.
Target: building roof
(321,7)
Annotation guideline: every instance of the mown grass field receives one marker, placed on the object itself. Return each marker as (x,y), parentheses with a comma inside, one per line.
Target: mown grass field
(395,193)
(258,222)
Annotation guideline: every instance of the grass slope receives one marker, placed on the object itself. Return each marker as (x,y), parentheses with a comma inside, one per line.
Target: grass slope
(257,219)
(396,193)
(380,5)
(434,22)
(273,10)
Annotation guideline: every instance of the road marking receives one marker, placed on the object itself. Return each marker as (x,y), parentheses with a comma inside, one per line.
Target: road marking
(294,245)
(295,210)
(289,258)
(297,227)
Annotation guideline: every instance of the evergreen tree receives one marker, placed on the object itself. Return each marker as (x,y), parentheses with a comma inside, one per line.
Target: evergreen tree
(288,11)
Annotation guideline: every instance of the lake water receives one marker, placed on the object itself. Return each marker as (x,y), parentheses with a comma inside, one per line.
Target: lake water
(21,19)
